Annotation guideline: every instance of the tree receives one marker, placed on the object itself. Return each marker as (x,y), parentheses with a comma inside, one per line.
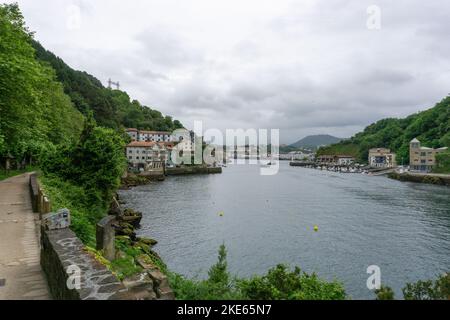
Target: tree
(218,273)
(438,289)
(33,107)
(384,293)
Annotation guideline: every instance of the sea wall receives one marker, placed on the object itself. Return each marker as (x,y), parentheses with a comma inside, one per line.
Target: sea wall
(438,179)
(193,170)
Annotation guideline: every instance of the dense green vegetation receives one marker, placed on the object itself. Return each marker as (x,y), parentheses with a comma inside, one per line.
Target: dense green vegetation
(442,163)
(431,127)
(34,111)
(438,289)
(111,108)
(84,176)
(41,122)
(279,283)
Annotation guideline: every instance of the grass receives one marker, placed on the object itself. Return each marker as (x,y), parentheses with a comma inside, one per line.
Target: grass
(11,173)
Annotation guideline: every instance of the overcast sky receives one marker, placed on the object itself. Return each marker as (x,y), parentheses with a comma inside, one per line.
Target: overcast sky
(304,67)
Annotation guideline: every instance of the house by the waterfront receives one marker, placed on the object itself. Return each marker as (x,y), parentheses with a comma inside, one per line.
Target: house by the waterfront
(146,155)
(422,158)
(146,136)
(325,159)
(344,160)
(340,160)
(381,158)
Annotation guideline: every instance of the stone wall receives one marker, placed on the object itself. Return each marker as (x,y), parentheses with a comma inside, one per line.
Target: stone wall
(193,170)
(438,179)
(74,273)
(62,253)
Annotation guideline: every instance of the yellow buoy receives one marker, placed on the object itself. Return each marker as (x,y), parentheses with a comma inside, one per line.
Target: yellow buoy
(221,214)
(316,228)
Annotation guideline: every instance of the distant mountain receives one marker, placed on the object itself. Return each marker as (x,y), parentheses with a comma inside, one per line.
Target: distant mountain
(315,141)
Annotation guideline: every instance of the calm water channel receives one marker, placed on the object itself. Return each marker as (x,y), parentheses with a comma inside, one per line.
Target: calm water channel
(404,228)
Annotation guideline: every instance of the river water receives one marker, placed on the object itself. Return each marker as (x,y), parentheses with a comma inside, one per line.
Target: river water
(402,227)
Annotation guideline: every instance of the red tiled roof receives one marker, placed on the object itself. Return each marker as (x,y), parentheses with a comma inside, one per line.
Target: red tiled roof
(142,144)
(155,132)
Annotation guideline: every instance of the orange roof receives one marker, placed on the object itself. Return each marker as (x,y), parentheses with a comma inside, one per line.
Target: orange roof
(142,144)
(131,129)
(155,132)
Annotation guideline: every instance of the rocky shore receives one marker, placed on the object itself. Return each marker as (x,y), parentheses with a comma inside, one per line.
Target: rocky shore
(133,180)
(149,281)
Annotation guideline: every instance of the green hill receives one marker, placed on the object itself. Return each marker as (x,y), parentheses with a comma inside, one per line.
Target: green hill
(44,102)
(111,108)
(431,127)
(316,141)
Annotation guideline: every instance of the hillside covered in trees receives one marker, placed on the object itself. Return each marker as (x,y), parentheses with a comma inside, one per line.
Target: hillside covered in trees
(34,110)
(43,102)
(111,108)
(431,127)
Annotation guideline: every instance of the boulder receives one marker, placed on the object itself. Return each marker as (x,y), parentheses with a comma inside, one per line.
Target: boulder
(141,286)
(147,241)
(145,262)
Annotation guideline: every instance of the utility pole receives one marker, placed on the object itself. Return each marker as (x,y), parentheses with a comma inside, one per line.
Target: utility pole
(111,83)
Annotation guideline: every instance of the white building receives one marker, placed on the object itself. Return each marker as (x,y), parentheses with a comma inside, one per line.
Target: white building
(297,156)
(345,160)
(144,135)
(142,154)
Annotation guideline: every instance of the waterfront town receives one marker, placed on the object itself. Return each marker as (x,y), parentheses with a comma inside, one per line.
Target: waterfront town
(151,151)
(300,152)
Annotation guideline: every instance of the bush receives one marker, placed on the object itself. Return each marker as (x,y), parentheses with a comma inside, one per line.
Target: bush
(428,290)
(96,162)
(278,283)
(384,293)
(442,163)
(64,194)
(282,284)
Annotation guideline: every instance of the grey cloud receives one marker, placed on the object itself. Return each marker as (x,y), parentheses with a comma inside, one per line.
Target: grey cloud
(310,67)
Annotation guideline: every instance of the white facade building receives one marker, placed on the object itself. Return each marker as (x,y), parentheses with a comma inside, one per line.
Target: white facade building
(141,154)
(144,135)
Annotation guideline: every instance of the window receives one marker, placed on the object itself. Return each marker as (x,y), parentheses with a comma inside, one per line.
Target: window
(130,158)
(137,158)
(423,154)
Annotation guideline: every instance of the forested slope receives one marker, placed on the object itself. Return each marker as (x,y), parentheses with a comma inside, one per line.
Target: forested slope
(111,108)
(431,127)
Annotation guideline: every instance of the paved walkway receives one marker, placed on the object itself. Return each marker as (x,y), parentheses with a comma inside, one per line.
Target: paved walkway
(21,277)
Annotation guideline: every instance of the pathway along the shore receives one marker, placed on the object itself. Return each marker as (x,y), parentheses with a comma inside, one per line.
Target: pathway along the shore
(21,276)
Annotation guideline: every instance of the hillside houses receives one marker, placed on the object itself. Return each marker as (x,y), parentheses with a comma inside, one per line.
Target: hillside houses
(153,149)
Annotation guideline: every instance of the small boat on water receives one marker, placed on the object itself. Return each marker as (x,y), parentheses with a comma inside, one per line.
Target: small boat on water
(268,164)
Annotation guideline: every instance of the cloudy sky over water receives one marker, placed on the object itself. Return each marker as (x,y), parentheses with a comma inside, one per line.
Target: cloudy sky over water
(304,67)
